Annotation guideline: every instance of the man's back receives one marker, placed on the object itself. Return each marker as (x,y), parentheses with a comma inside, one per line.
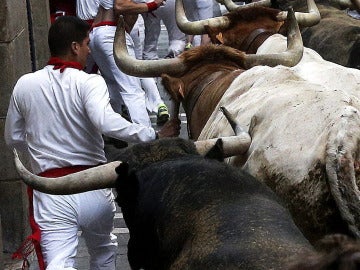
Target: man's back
(57,106)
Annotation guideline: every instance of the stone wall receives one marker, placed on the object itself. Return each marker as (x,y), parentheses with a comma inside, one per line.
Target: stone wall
(23,49)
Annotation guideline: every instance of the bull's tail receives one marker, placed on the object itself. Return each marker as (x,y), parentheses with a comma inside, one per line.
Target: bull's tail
(343,167)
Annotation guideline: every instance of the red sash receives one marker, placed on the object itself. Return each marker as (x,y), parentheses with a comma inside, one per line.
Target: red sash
(32,242)
(104,23)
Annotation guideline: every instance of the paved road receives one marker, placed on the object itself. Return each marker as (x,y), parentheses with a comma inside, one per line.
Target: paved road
(120,229)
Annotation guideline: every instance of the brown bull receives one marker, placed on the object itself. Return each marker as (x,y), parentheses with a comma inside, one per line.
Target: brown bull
(206,68)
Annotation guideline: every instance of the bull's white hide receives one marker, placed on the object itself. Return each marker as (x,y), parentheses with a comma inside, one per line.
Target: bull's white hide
(314,68)
(297,127)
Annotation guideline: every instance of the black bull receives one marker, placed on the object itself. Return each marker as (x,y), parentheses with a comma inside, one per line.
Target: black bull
(185,211)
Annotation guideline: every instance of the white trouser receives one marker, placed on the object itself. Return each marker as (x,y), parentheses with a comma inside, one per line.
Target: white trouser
(198,10)
(61,217)
(123,88)
(216,9)
(153,27)
(153,99)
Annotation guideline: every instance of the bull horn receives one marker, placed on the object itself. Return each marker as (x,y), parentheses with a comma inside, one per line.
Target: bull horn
(233,145)
(290,57)
(230,5)
(141,68)
(197,27)
(304,19)
(99,177)
(231,119)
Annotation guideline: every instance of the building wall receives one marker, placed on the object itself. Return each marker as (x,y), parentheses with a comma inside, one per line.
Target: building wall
(23,48)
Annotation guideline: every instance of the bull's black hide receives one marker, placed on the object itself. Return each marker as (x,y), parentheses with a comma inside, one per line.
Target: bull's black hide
(185,211)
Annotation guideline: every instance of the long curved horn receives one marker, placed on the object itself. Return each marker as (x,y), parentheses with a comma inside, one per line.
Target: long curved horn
(233,145)
(304,19)
(197,27)
(103,176)
(290,57)
(141,68)
(230,5)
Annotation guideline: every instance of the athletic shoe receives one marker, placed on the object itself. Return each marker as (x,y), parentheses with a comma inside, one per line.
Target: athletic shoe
(162,115)
(188,46)
(171,54)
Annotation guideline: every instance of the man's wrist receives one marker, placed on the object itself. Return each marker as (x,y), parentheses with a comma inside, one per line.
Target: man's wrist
(151,6)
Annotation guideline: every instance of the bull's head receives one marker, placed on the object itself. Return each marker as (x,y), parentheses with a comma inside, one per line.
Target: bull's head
(205,67)
(180,65)
(230,5)
(245,24)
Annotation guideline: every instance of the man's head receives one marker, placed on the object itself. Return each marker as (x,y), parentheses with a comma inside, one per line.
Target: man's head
(69,38)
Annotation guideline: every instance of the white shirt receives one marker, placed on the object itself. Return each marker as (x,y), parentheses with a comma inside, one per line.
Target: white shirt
(59,119)
(87,9)
(107,4)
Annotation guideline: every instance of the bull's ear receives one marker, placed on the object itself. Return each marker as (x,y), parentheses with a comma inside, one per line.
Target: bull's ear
(122,169)
(174,86)
(126,185)
(213,34)
(217,151)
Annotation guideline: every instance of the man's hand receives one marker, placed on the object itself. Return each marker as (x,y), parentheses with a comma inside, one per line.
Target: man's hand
(170,129)
(160,2)
(153,5)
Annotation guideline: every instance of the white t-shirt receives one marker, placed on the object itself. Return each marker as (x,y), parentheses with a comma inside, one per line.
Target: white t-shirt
(59,119)
(87,9)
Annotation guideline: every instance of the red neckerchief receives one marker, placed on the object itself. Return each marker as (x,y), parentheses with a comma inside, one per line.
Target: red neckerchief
(61,64)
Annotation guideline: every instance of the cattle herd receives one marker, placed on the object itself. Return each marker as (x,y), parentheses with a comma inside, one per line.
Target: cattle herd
(270,176)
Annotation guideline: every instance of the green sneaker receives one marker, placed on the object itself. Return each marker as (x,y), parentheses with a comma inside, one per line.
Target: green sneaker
(188,46)
(162,115)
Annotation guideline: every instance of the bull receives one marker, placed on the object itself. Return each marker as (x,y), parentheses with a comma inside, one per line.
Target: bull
(305,131)
(337,36)
(312,68)
(256,39)
(186,211)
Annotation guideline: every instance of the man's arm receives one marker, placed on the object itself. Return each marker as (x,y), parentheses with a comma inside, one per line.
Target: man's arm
(15,128)
(126,7)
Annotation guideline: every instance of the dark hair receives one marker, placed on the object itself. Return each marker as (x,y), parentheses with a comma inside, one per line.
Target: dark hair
(64,31)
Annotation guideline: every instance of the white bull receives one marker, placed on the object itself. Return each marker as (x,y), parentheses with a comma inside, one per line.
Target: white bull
(305,139)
